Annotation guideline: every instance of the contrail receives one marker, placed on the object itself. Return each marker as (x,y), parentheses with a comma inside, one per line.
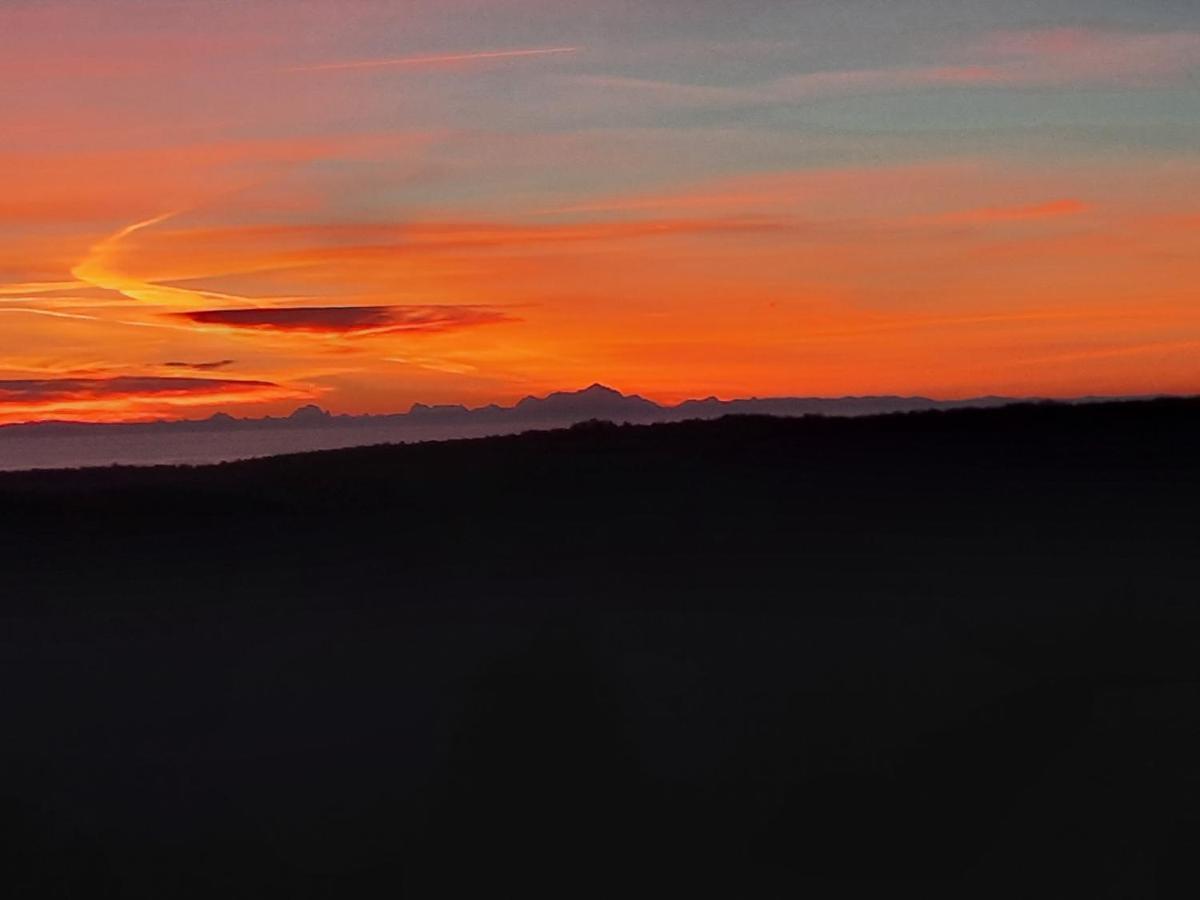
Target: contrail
(432,60)
(38,287)
(97,270)
(49,312)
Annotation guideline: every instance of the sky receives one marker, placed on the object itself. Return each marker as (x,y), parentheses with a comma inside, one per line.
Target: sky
(249,206)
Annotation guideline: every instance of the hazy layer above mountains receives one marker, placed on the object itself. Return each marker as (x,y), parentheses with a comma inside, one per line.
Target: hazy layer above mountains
(222,437)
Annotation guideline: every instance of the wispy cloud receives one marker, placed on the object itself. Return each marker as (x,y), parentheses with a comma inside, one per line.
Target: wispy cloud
(449,59)
(1057,57)
(1157,348)
(98,269)
(434,365)
(327,248)
(51,313)
(1068,56)
(724,199)
(37,287)
(307,246)
(987,215)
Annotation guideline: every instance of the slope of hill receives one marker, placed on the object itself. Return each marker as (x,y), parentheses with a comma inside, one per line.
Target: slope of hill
(944,653)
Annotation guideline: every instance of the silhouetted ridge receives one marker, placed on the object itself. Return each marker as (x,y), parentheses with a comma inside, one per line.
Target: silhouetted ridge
(936,654)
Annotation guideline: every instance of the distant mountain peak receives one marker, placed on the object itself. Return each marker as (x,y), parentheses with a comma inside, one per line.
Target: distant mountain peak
(591,392)
(595,401)
(310,413)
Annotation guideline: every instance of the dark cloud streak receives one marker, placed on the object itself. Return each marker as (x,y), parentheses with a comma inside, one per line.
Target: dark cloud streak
(352,319)
(201,366)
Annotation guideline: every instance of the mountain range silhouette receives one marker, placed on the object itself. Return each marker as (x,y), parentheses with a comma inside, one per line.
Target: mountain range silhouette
(556,410)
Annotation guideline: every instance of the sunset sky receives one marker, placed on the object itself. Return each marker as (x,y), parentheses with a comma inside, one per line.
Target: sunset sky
(248,206)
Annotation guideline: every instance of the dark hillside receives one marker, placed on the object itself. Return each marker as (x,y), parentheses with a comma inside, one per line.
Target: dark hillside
(952,653)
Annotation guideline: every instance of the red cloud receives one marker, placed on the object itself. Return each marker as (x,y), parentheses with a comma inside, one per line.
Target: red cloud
(351,319)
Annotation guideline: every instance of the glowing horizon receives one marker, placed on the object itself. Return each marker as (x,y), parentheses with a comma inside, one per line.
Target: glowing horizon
(263,204)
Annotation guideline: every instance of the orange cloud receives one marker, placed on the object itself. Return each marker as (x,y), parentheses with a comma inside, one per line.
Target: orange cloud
(1051,209)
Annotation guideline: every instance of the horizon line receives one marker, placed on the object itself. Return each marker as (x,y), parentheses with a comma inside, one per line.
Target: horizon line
(1014,399)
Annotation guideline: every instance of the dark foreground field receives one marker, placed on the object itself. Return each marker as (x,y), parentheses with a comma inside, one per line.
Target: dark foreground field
(947,655)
